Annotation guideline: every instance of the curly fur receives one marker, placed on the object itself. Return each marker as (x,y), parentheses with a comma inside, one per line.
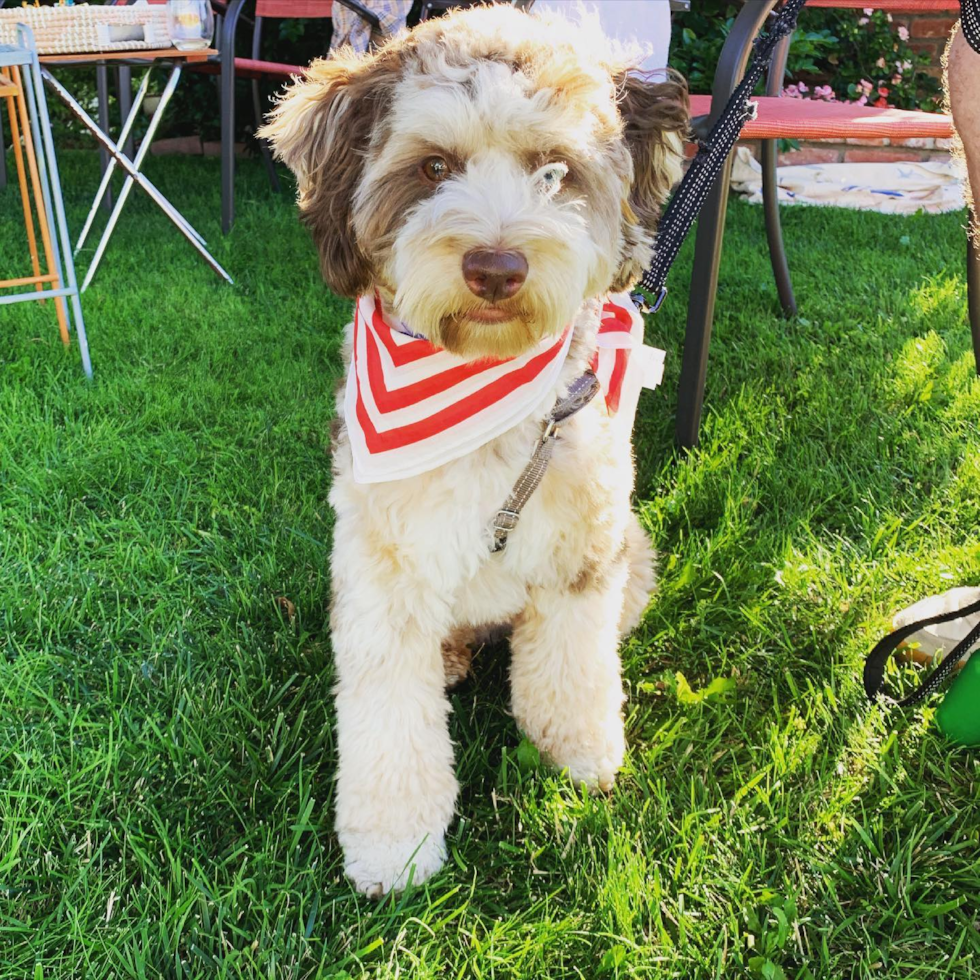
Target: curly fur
(497,95)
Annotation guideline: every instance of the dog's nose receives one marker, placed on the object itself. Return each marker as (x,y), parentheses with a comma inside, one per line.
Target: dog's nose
(493,274)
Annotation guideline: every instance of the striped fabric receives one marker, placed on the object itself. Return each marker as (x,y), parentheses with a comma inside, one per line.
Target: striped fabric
(411,407)
(808,119)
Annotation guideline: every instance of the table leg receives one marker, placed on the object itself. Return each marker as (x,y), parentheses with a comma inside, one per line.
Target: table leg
(34,151)
(128,183)
(3,156)
(124,92)
(168,209)
(110,169)
(41,125)
(102,93)
(25,199)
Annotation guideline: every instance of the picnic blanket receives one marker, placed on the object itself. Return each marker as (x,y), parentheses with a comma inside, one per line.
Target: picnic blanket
(891,188)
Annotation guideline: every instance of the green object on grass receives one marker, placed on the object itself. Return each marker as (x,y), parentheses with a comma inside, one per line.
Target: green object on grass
(958,716)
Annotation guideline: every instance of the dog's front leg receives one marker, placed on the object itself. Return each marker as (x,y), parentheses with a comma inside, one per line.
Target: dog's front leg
(395,785)
(565,676)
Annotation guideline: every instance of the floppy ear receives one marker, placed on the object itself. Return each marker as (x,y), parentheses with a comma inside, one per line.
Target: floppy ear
(322,129)
(656,118)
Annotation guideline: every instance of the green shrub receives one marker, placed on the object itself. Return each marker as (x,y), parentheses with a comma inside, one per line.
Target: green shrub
(856,54)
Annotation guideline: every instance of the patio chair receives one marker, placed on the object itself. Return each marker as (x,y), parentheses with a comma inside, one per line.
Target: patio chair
(780,118)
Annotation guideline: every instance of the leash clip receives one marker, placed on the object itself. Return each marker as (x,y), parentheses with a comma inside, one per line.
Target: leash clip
(644,305)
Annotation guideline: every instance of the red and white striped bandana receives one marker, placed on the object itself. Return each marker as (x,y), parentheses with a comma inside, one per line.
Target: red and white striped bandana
(411,407)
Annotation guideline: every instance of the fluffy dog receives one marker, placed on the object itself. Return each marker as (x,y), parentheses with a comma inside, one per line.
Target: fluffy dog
(486,178)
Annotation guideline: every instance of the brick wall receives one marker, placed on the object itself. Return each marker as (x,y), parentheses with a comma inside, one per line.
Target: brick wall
(928,33)
(865,151)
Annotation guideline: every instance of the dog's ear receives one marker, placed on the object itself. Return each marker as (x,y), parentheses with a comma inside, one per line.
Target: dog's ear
(322,129)
(656,119)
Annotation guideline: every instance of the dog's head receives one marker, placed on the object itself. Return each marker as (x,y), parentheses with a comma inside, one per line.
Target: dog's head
(486,173)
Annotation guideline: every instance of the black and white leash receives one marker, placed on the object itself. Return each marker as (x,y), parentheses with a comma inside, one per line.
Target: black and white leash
(874,666)
(692,191)
(970,22)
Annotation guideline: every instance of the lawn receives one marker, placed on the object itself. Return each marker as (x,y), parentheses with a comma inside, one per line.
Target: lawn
(166,742)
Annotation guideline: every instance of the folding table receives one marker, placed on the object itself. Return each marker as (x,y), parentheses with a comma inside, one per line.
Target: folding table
(169,57)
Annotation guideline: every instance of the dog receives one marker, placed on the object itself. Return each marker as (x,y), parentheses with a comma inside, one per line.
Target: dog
(479,185)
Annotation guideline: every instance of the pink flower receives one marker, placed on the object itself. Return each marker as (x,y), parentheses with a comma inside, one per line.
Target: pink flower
(803,89)
(880,63)
(792,92)
(903,33)
(869,11)
(905,65)
(896,79)
(862,21)
(862,101)
(824,92)
(865,86)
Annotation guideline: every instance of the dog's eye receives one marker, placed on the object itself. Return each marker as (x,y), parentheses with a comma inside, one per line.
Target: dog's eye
(435,169)
(549,178)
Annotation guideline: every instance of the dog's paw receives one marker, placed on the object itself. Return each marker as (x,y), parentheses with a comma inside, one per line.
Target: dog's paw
(598,774)
(594,762)
(457,656)
(378,865)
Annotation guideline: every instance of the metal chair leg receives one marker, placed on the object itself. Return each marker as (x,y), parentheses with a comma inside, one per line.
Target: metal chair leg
(124,92)
(102,90)
(770,190)
(711,226)
(774,230)
(270,167)
(227,88)
(701,307)
(973,291)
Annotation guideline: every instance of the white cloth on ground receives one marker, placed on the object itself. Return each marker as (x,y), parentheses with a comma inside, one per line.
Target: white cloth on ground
(890,188)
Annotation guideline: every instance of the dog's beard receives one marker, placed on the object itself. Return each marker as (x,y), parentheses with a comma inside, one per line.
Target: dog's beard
(428,292)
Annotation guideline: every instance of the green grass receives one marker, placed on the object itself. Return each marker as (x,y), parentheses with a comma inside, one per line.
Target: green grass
(166,743)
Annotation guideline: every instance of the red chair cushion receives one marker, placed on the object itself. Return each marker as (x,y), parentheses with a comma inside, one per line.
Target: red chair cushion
(250,68)
(293,8)
(894,6)
(812,119)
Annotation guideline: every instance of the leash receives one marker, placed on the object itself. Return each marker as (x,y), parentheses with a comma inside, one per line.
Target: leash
(581,391)
(874,667)
(712,154)
(970,22)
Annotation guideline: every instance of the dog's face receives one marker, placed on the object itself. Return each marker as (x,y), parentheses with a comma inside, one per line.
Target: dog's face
(486,173)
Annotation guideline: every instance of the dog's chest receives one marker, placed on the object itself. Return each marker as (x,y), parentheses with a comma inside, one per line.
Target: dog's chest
(438,524)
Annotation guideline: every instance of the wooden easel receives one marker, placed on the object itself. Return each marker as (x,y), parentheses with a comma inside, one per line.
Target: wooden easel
(11,88)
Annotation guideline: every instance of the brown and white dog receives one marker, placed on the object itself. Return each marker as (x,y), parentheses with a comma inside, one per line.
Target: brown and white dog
(488,176)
